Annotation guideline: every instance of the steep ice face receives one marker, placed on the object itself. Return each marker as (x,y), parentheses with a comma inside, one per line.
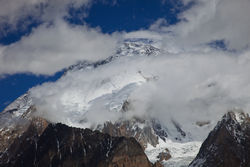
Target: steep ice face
(81,104)
(19,106)
(111,91)
(16,112)
(88,88)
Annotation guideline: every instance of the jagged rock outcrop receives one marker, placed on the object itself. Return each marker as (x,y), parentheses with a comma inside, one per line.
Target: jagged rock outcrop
(13,125)
(228,145)
(165,155)
(158,164)
(141,130)
(144,130)
(60,145)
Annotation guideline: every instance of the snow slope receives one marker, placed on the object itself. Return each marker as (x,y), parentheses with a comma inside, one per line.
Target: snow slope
(182,153)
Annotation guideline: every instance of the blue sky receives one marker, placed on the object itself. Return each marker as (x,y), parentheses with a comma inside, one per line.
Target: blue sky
(122,16)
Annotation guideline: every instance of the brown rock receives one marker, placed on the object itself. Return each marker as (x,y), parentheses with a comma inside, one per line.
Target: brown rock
(60,145)
(131,128)
(164,155)
(202,123)
(158,164)
(18,126)
(228,145)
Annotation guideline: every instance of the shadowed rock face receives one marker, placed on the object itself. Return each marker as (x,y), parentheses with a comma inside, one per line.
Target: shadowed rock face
(145,131)
(165,155)
(131,128)
(228,145)
(60,145)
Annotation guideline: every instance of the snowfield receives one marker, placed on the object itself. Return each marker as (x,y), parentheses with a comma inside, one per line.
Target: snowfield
(182,153)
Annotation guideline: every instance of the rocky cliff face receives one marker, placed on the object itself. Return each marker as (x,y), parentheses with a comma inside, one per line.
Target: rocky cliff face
(144,130)
(141,130)
(228,145)
(14,123)
(60,145)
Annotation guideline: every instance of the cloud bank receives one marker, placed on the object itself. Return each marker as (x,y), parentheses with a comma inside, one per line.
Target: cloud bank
(53,45)
(11,12)
(195,82)
(49,49)
(208,21)
(189,87)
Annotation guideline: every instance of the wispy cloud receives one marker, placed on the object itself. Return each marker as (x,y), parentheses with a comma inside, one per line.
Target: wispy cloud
(45,10)
(53,45)
(49,49)
(208,21)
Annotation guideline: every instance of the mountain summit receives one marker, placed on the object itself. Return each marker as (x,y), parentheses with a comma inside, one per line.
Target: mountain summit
(228,144)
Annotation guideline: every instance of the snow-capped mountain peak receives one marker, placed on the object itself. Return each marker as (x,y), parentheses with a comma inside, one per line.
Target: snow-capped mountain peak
(127,48)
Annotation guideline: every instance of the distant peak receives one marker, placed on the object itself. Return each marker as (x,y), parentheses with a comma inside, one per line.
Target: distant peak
(128,48)
(236,115)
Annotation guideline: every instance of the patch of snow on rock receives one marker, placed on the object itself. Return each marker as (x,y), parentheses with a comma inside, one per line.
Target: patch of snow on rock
(181,153)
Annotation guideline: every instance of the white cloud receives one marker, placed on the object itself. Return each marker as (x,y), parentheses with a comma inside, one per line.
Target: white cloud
(191,86)
(54,44)
(212,20)
(12,11)
(204,22)
(49,49)
(143,34)
(88,94)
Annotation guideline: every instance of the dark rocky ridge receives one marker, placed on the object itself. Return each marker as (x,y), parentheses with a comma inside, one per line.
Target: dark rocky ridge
(144,130)
(130,128)
(60,145)
(228,145)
